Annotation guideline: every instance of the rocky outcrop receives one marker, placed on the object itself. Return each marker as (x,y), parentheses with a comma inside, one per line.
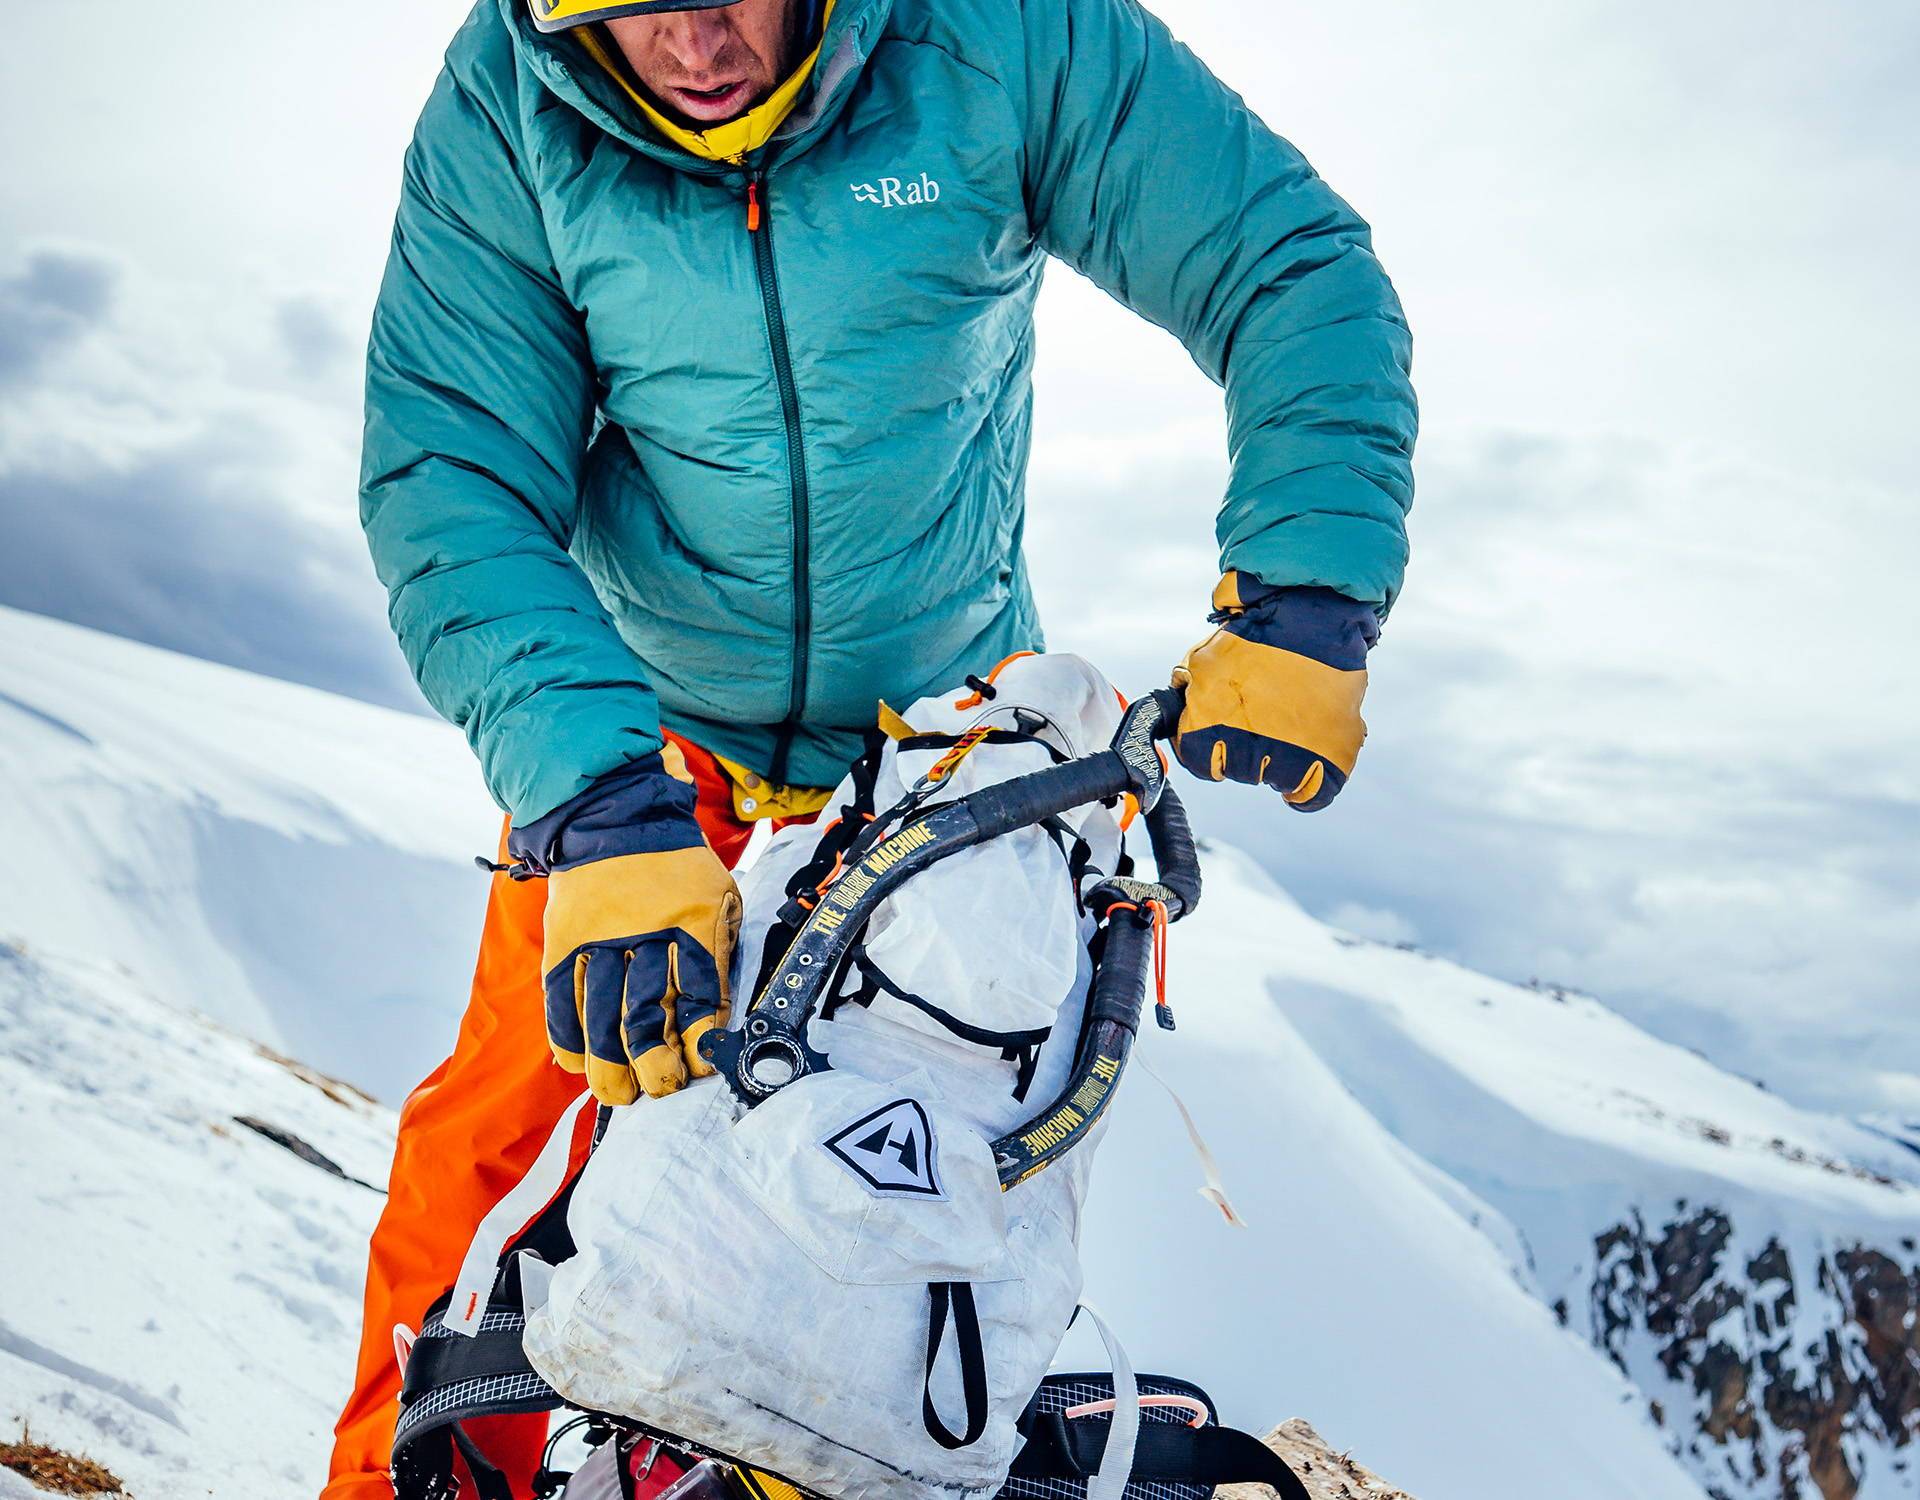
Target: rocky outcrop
(1788,1371)
(1326,1474)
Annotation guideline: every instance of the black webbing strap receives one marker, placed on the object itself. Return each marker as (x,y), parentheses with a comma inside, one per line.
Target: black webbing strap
(423,1468)
(1077,852)
(838,838)
(488,1482)
(1021,1048)
(936,741)
(1059,1448)
(442,1361)
(957,1296)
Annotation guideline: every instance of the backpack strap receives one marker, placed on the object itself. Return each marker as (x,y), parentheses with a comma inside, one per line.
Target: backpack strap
(1021,1048)
(488,1482)
(522,1206)
(1077,852)
(1172,1452)
(940,741)
(957,1296)
(475,1368)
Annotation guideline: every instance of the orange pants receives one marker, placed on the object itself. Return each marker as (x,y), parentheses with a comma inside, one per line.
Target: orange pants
(467,1135)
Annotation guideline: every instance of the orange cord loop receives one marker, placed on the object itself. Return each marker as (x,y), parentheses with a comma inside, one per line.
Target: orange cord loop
(976,698)
(1162,1011)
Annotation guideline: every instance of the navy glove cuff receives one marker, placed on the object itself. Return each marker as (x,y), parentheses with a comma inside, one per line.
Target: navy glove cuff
(1315,622)
(642,808)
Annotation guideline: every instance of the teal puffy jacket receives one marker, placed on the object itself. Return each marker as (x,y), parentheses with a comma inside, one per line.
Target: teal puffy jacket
(629,462)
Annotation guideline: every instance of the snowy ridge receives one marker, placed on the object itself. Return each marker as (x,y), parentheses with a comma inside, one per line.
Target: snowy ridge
(1750,1265)
(182,1292)
(1485,1219)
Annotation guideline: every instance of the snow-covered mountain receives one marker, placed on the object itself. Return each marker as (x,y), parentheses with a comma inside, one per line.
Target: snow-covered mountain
(296,865)
(1750,1266)
(1502,1244)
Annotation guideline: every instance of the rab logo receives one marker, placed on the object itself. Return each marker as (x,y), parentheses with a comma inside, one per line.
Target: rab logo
(890,1151)
(891,192)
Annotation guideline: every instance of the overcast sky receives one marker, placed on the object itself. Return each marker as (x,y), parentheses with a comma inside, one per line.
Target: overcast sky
(1646,720)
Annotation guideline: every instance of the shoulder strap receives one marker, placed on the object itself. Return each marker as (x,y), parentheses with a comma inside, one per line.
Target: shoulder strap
(1059,1448)
(452,1377)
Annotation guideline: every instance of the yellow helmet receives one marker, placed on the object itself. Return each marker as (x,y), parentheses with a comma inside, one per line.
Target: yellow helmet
(558,15)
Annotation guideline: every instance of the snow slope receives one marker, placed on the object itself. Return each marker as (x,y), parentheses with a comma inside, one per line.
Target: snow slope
(1425,1156)
(181,1293)
(296,865)
(1551,1123)
(1722,1246)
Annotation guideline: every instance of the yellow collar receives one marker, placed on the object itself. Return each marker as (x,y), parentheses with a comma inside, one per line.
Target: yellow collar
(732,139)
(754,797)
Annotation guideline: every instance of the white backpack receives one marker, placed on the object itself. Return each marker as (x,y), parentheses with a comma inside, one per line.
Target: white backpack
(849,1259)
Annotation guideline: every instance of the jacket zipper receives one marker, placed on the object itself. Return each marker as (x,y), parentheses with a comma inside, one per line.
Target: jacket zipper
(760,228)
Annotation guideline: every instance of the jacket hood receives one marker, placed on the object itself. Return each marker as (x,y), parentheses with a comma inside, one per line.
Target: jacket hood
(564,65)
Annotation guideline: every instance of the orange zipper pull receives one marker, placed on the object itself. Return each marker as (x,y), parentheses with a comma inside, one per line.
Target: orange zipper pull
(753,206)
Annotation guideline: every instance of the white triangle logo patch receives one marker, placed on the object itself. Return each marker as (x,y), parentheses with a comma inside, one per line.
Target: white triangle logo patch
(890,1151)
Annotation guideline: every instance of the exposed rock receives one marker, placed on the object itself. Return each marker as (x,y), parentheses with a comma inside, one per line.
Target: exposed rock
(52,1469)
(1326,1474)
(1775,1375)
(305,1150)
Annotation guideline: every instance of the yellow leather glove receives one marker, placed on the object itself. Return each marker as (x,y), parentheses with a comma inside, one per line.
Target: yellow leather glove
(640,925)
(1273,695)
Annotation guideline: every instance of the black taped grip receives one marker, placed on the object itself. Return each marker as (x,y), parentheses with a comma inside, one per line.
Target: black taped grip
(1039,795)
(1129,764)
(1173,853)
(1120,984)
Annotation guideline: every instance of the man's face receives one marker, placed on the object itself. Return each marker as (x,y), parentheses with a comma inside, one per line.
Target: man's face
(710,66)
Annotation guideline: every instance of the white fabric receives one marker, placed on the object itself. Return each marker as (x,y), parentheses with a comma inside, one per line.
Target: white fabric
(993,935)
(1212,1187)
(735,1285)
(757,1282)
(505,1219)
(1117,1462)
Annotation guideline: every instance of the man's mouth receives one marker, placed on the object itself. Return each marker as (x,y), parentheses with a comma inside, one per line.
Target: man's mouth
(712,104)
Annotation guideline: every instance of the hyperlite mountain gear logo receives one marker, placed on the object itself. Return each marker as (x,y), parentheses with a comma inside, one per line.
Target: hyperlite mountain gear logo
(890,1150)
(891,192)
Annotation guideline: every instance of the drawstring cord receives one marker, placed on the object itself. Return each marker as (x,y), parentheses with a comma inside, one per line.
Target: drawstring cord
(520,870)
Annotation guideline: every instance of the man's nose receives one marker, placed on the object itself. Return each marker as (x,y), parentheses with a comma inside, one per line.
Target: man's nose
(698,38)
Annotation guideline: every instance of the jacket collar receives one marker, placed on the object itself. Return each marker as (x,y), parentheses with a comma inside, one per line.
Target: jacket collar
(566,68)
(732,141)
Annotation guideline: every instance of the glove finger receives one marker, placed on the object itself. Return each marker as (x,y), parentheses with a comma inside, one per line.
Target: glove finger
(1194,755)
(696,1001)
(1307,781)
(655,1055)
(602,989)
(1203,751)
(565,1035)
(726,935)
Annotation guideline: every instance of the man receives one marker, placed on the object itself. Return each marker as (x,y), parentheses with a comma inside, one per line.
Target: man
(697,423)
